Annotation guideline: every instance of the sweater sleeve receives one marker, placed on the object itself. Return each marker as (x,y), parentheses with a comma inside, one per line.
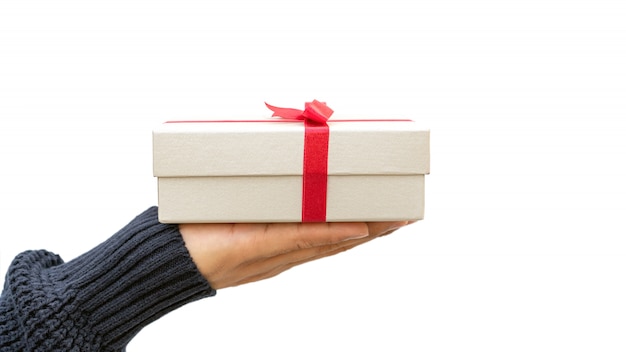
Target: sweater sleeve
(102,299)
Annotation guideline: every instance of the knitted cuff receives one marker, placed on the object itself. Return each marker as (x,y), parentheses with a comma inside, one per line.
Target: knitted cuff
(138,275)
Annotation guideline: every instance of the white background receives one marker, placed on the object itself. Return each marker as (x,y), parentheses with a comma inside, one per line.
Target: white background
(523,247)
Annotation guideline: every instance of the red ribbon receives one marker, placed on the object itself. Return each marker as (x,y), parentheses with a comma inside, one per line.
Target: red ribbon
(315,159)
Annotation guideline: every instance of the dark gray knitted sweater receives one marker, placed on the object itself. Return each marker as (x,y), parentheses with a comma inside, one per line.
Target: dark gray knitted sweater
(102,299)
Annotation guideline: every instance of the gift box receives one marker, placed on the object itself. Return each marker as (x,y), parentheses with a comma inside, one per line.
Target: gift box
(293,169)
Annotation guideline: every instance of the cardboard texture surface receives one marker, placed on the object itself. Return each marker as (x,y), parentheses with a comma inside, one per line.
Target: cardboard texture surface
(252,171)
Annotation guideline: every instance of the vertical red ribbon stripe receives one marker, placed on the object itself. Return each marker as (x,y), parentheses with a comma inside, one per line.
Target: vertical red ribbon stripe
(315,172)
(315,158)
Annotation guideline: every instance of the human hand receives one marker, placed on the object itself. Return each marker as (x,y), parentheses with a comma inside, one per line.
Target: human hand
(234,254)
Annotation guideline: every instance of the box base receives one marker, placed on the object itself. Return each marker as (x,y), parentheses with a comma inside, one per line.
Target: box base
(253,199)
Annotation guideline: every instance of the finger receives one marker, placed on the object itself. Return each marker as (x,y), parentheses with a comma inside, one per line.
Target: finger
(287,237)
(273,266)
(277,270)
(268,267)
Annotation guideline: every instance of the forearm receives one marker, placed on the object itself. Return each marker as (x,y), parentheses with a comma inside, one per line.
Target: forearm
(104,297)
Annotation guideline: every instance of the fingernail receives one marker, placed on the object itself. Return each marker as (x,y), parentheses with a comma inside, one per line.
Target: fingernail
(356,237)
(397,225)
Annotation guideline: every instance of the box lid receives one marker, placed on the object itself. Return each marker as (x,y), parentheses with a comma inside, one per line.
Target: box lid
(275,147)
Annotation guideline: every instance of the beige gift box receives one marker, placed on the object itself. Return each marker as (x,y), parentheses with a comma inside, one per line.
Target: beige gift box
(252,171)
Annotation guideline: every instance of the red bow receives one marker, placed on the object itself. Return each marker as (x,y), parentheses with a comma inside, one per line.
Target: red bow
(313,111)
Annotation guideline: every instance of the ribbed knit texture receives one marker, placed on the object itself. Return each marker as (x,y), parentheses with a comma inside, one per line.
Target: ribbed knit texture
(102,299)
